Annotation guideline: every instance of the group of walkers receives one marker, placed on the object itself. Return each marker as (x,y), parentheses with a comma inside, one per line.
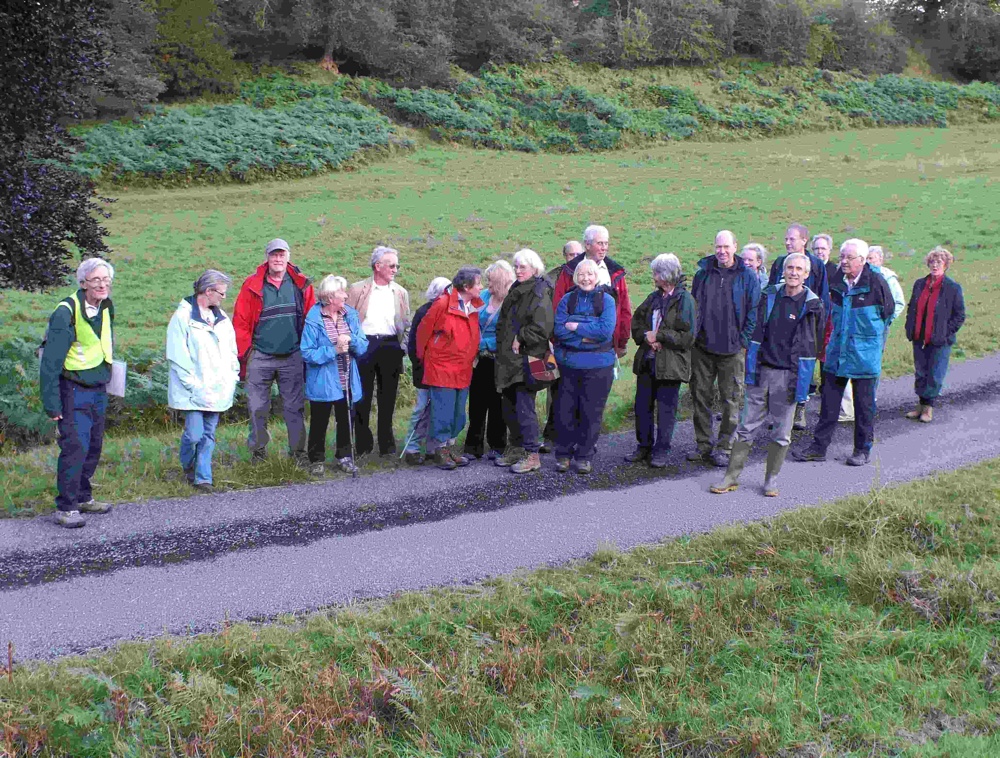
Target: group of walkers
(490,341)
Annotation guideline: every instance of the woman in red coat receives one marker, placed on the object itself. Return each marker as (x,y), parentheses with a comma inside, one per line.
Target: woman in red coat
(447,344)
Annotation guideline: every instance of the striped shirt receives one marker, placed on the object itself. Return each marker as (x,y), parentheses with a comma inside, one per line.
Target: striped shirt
(335,326)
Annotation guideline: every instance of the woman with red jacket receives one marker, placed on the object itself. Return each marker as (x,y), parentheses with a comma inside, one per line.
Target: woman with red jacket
(447,344)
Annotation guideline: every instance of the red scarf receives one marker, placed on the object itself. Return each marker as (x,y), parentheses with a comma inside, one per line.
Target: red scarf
(925,309)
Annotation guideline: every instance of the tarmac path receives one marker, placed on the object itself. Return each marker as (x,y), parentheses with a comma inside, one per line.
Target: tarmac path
(184,566)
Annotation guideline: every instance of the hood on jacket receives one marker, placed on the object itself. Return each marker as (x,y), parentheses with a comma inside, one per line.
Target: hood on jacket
(256,280)
(192,303)
(710,262)
(315,314)
(613,266)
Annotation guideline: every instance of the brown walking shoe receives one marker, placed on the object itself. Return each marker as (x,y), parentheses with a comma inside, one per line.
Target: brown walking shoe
(927,414)
(530,462)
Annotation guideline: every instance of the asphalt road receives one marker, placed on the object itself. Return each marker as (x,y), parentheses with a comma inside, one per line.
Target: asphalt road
(183,566)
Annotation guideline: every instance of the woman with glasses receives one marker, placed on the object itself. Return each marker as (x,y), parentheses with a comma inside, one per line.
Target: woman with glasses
(204,368)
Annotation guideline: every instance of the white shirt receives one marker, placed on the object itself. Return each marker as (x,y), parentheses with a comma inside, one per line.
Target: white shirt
(852,283)
(381,316)
(91,310)
(603,276)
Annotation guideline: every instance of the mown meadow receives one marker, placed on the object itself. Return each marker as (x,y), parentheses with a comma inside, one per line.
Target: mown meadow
(865,627)
(446,205)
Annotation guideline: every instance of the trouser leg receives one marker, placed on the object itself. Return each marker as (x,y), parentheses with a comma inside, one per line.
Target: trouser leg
(291,387)
(702,385)
(206,446)
(832,394)
(479,399)
(730,372)
(667,398)
(592,397)
(442,416)
(864,414)
(419,420)
(509,404)
(341,413)
(194,428)
(496,427)
(97,413)
(527,418)
(363,437)
(319,422)
(755,409)
(645,403)
(388,366)
(74,440)
(936,363)
(566,419)
(549,433)
(260,374)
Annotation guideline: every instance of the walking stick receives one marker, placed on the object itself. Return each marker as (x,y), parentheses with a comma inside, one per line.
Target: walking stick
(350,414)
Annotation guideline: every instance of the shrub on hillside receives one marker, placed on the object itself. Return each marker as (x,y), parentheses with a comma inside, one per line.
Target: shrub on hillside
(190,51)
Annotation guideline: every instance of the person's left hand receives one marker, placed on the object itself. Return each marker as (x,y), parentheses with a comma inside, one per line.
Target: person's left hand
(572,325)
(620,351)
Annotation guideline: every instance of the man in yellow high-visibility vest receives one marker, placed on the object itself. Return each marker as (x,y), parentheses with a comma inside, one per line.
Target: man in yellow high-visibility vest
(74,373)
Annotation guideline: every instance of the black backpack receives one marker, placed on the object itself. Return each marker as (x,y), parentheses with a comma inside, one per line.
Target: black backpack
(574,299)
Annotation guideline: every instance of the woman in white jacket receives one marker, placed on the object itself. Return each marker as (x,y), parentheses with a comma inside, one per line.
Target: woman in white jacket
(201,349)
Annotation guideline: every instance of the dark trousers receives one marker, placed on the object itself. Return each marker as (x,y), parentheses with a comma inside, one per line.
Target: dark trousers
(485,410)
(549,432)
(579,410)
(81,438)
(659,396)
(519,414)
(930,365)
(381,365)
(864,411)
(319,422)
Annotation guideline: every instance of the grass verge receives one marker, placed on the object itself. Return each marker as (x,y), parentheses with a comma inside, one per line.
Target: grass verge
(865,627)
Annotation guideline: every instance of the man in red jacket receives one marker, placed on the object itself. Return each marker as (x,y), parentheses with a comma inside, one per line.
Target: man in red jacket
(268,317)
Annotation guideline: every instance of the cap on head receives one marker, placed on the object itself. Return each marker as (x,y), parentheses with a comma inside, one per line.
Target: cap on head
(276,244)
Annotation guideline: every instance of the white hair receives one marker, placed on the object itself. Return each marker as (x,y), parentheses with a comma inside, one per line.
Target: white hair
(528,257)
(89,266)
(329,285)
(666,267)
(800,256)
(438,285)
(592,231)
(380,252)
(585,264)
(860,247)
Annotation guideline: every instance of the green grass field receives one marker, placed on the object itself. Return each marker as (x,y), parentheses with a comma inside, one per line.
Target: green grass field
(866,627)
(444,206)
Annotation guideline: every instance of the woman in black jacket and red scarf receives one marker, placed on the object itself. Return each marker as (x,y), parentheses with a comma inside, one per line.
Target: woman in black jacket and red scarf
(934,315)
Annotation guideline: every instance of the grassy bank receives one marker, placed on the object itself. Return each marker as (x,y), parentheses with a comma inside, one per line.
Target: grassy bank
(442,207)
(862,628)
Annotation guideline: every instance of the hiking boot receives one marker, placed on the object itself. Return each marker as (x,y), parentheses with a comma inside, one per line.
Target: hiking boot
(562,465)
(346,465)
(699,456)
(493,454)
(317,469)
(460,460)
(775,457)
(442,459)
(205,487)
(718,458)
(916,413)
(530,462)
(189,475)
(94,506)
(859,458)
(811,453)
(800,417)
(927,414)
(257,456)
(545,446)
(658,458)
(511,456)
(737,460)
(584,467)
(70,519)
(414,459)
(470,454)
(638,455)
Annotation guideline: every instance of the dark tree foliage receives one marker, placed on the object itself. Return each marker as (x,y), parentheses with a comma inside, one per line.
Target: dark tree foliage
(52,53)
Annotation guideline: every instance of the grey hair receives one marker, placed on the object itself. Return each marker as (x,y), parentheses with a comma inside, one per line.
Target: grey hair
(757,248)
(666,267)
(528,257)
(827,237)
(436,287)
(876,249)
(803,257)
(380,252)
(586,263)
(209,279)
(726,231)
(860,247)
(592,231)
(89,266)
(570,246)
(329,285)
(466,277)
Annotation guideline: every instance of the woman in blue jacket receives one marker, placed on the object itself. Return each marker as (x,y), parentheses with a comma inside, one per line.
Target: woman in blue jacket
(584,327)
(331,335)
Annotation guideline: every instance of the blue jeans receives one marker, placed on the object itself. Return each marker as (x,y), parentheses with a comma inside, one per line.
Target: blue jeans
(579,406)
(81,438)
(930,364)
(420,419)
(447,415)
(664,396)
(197,444)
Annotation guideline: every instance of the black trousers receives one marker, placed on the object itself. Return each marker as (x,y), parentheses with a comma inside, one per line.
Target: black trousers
(485,410)
(864,411)
(381,365)
(519,413)
(319,422)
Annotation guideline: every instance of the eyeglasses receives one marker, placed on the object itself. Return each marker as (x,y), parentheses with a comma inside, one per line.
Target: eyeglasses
(393,266)
(98,280)
(220,293)
(849,258)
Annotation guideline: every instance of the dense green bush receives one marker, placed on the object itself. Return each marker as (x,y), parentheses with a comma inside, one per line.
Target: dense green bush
(309,128)
(190,51)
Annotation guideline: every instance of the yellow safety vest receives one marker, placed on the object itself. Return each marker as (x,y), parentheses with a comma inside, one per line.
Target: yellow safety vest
(89,350)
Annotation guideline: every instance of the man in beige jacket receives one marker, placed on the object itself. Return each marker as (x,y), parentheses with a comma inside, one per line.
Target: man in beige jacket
(384,309)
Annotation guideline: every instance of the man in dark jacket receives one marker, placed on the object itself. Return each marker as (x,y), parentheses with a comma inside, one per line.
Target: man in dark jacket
(726,292)
(862,309)
(796,239)
(779,367)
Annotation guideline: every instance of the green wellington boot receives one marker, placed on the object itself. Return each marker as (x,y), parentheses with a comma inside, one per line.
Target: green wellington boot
(775,457)
(737,460)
